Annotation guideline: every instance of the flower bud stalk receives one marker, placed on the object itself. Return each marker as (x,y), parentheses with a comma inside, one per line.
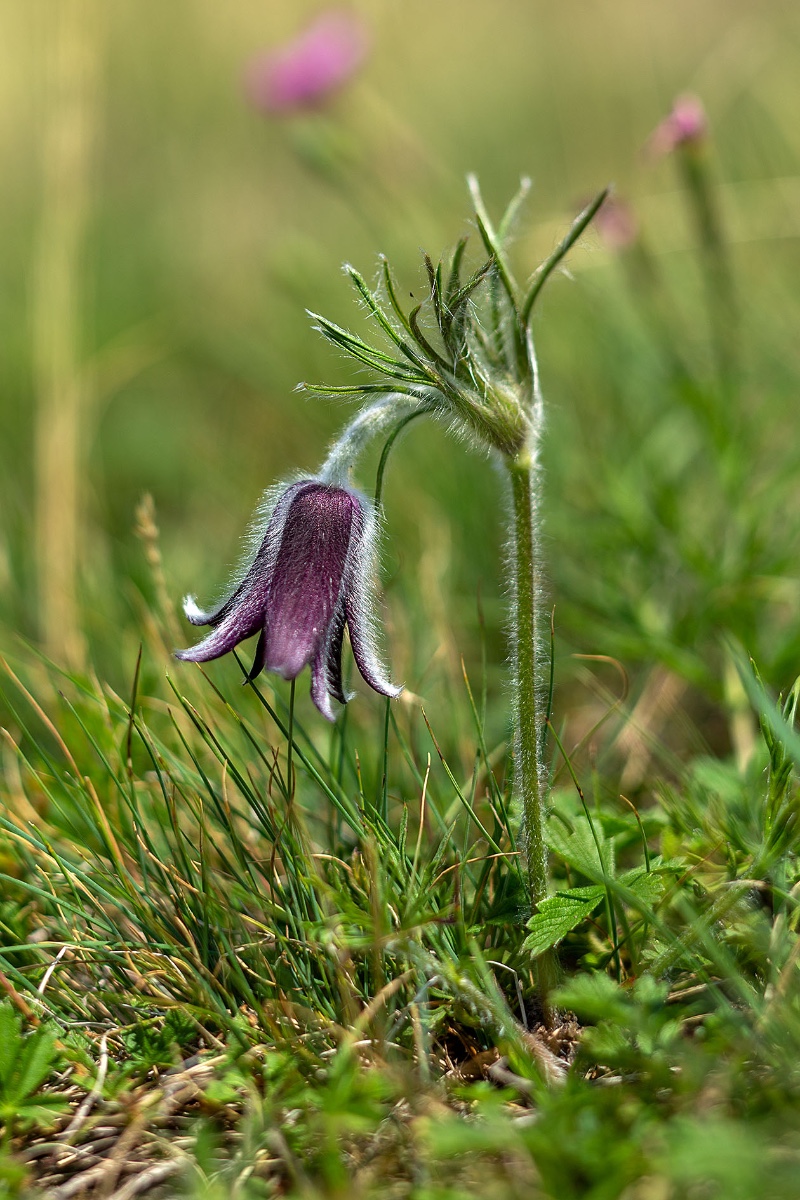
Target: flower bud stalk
(482,378)
(527,672)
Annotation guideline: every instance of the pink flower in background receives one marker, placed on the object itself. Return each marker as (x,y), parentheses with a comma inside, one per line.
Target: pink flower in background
(616,223)
(303,72)
(687,124)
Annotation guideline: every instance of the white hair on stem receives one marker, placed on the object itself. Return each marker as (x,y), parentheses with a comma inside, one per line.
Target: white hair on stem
(367,424)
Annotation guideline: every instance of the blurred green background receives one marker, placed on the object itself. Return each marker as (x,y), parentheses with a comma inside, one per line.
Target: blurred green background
(200,230)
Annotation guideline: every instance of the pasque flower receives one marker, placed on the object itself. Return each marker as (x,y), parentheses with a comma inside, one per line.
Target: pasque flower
(311,568)
(311,576)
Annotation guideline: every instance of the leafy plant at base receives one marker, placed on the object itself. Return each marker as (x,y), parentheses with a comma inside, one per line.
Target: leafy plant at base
(26,1061)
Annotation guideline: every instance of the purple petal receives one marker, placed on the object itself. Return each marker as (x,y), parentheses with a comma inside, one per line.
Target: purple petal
(319,687)
(326,669)
(277,503)
(242,623)
(197,615)
(242,613)
(306,581)
(258,658)
(359,609)
(362,643)
(333,658)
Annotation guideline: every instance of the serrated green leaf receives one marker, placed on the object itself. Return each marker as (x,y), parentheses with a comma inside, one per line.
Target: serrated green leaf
(35,1063)
(579,850)
(647,886)
(558,915)
(40,1110)
(9,1042)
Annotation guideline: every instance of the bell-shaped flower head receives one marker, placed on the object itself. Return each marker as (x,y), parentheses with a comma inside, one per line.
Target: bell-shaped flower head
(311,576)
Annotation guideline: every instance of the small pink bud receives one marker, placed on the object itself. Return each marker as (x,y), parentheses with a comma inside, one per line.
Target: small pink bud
(303,72)
(687,124)
(617,225)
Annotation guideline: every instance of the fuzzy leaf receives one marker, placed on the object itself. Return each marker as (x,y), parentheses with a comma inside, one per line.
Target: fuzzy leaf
(558,915)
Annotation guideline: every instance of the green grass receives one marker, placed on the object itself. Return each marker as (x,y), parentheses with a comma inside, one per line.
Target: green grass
(353,965)
(238,965)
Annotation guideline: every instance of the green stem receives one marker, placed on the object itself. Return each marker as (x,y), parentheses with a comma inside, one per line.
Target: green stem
(390,441)
(527,679)
(719,282)
(290,747)
(549,265)
(525,651)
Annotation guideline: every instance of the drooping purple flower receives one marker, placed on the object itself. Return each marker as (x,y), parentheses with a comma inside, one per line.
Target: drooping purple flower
(311,576)
(305,71)
(685,125)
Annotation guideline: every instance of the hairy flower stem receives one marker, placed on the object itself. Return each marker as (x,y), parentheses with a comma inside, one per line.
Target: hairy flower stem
(473,365)
(387,412)
(527,681)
